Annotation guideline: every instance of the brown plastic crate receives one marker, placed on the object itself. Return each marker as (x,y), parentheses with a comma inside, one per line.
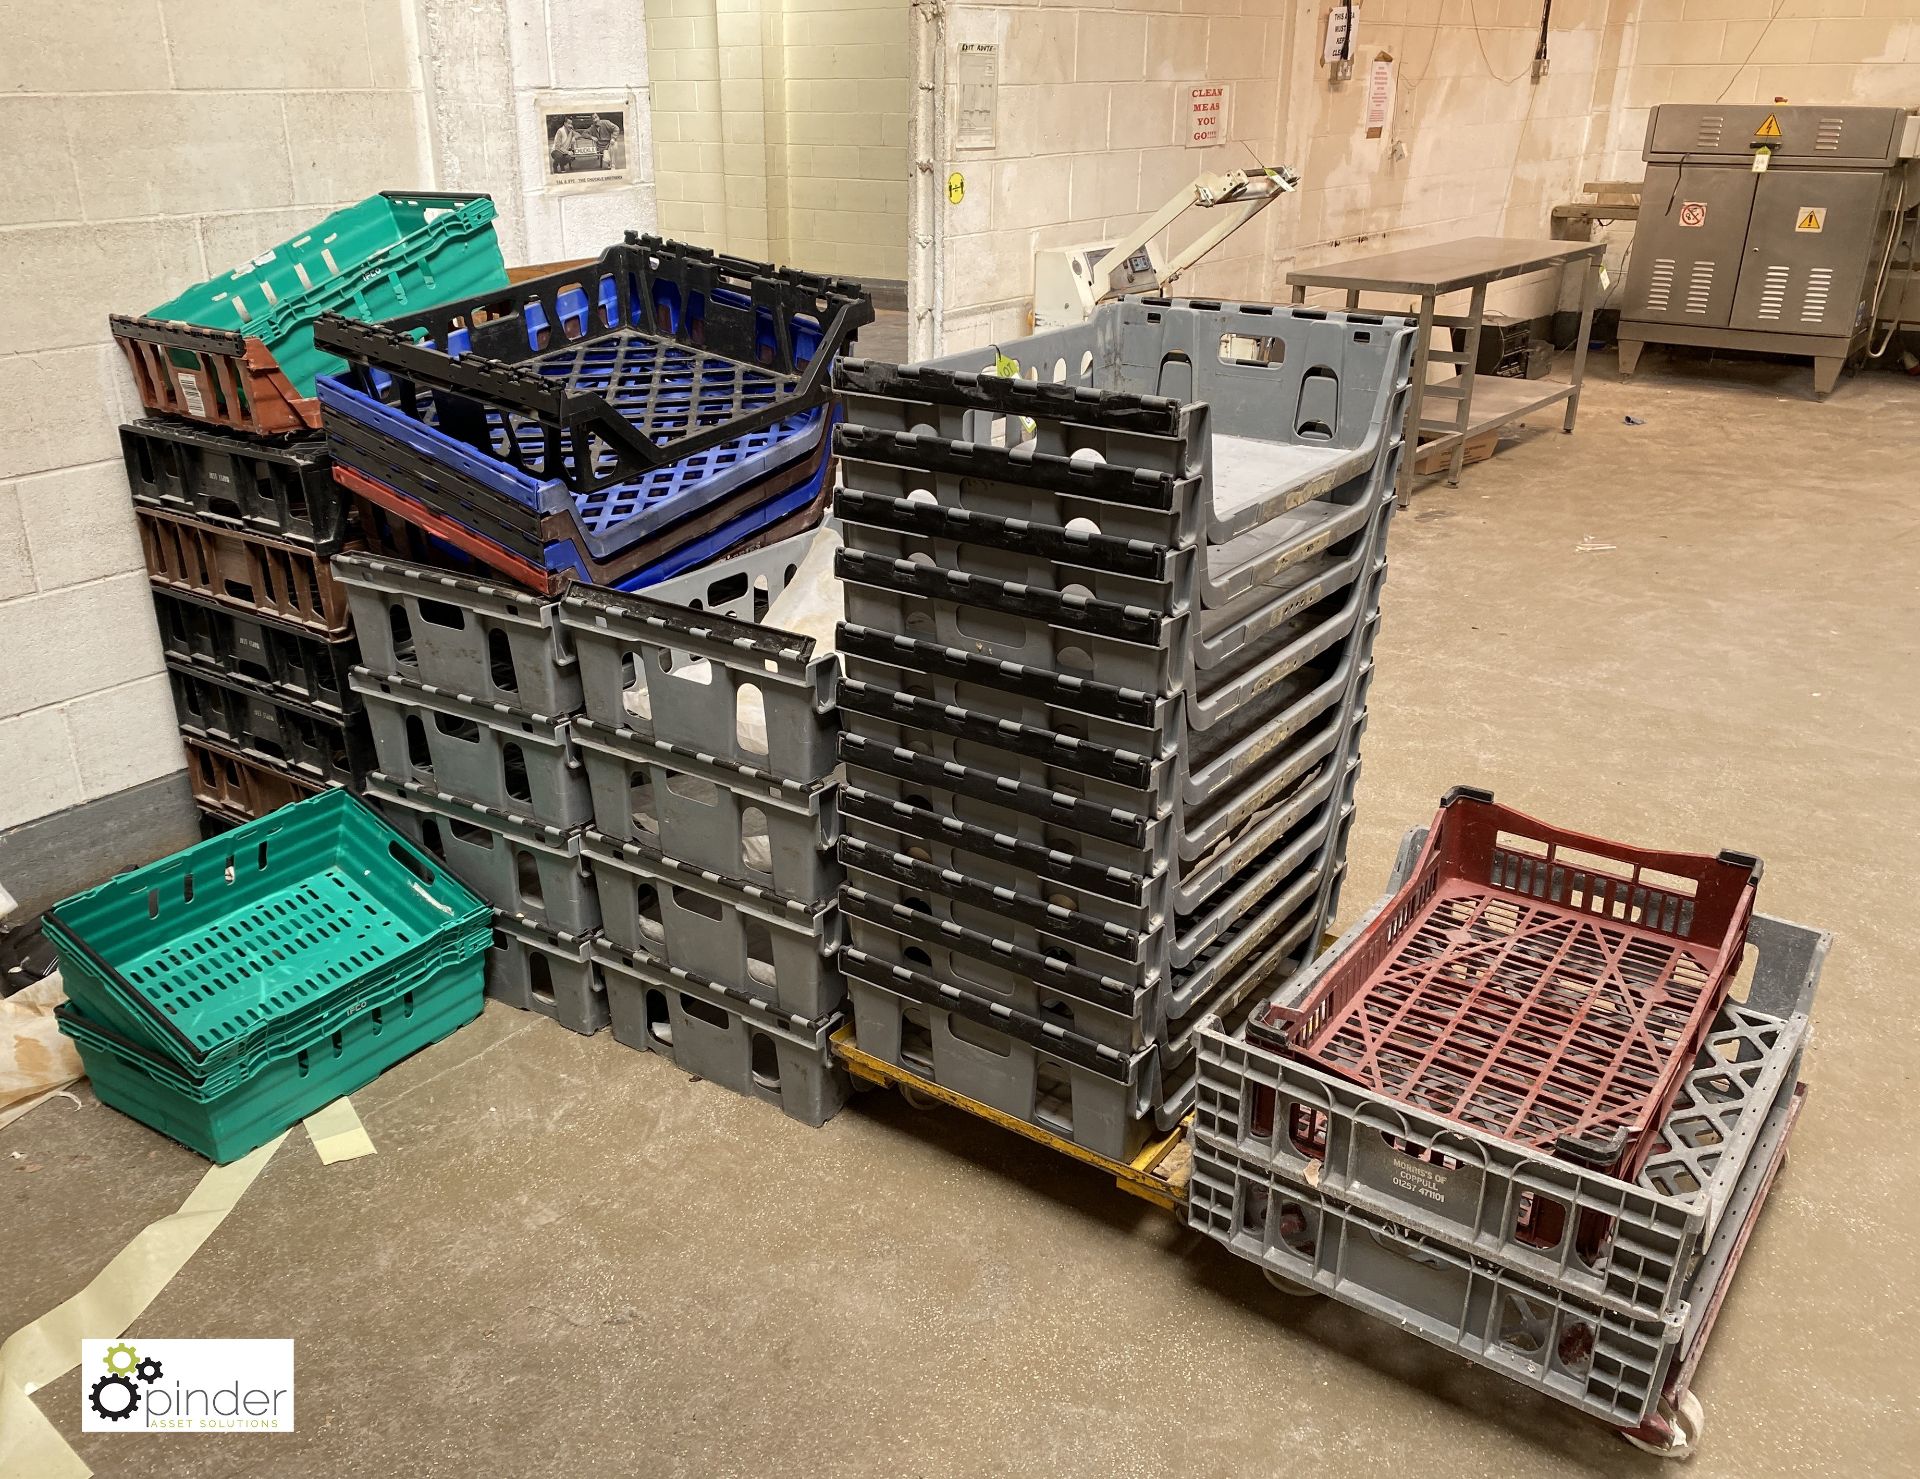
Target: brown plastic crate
(232,786)
(1535,983)
(247,572)
(212,375)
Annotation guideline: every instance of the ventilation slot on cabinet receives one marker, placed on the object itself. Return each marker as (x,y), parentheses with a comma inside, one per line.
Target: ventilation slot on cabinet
(1826,139)
(1813,307)
(1660,289)
(1700,287)
(1773,297)
(1710,129)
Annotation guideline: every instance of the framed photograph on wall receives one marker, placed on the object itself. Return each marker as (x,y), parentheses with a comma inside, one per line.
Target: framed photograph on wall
(588,139)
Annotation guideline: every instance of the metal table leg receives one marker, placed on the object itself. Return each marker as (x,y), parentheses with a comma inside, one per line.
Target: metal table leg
(1476,320)
(1423,339)
(1586,337)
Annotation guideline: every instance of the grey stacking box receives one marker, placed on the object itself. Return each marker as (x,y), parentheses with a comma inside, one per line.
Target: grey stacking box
(724,929)
(666,670)
(498,644)
(709,745)
(1107,649)
(543,970)
(725,1035)
(516,864)
(1416,1218)
(738,820)
(502,757)
(470,688)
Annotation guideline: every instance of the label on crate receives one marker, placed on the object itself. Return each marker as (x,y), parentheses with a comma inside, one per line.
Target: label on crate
(189,384)
(1413,1179)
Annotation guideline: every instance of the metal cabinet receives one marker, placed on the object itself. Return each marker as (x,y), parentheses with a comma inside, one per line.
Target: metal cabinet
(1687,274)
(1805,271)
(1783,260)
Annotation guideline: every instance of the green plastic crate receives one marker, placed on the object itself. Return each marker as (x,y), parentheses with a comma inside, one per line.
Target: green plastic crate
(260,936)
(314,1033)
(392,253)
(224,1124)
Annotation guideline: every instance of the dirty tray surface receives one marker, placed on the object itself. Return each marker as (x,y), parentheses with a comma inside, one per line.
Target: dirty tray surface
(1518,1017)
(270,955)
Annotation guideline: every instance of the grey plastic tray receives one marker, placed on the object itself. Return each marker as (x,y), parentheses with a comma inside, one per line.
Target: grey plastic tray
(1048,627)
(1058,873)
(1208,764)
(888,512)
(1110,835)
(740,587)
(542,970)
(496,643)
(1030,1066)
(1606,1363)
(1217,700)
(725,1036)
(1187,830)
(1109,1010)
(517,762)
(517,865)
(1270,406)
(721,928)
(738,820)
(1624,1247)
(665,665)
(1034,924)
(1208,769)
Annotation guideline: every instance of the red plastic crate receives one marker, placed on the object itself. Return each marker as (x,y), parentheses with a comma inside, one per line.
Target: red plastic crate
(1532,982)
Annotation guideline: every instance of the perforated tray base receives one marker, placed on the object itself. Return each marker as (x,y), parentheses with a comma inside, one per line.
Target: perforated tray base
(1518,1017)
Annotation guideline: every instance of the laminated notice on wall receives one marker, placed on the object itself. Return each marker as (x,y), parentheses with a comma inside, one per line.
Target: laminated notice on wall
(977,74)
(1379,94)
(1343,32)
(1207,104)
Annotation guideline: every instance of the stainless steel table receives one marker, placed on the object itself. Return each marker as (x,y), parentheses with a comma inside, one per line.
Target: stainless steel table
(1469,265)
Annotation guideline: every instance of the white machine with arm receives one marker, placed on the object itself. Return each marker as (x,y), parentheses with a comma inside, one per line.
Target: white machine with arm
(1069,281)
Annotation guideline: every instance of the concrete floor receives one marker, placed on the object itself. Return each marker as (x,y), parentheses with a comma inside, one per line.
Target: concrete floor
(569,1259)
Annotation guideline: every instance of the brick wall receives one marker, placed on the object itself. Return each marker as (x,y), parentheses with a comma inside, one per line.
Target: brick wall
(1752,51)
(780,129)
(488,64)
(845,90)
(1089,139)
(144,145)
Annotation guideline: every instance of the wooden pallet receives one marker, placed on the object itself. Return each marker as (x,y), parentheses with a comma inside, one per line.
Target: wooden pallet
(1158,1174)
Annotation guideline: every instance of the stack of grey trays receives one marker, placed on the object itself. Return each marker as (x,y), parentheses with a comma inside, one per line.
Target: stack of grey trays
(1111,595)
(471,688)
(708,741)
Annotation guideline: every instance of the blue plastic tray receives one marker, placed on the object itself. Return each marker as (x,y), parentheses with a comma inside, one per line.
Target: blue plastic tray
(610,518)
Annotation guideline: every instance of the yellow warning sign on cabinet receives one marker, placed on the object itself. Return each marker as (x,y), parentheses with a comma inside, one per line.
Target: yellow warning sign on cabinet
(1810,218)
(1770,129)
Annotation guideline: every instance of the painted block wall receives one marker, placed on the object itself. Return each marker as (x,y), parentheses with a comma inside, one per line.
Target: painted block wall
(144,146)
(1754,51)
(845,86)
(487,65)
(1090,138)
(1472,146)
(780,129)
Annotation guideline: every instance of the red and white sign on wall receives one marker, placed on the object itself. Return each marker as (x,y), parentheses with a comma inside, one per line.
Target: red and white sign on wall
(1207,105)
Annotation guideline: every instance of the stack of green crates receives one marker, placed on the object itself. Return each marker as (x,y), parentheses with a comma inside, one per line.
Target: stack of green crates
(225,993)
